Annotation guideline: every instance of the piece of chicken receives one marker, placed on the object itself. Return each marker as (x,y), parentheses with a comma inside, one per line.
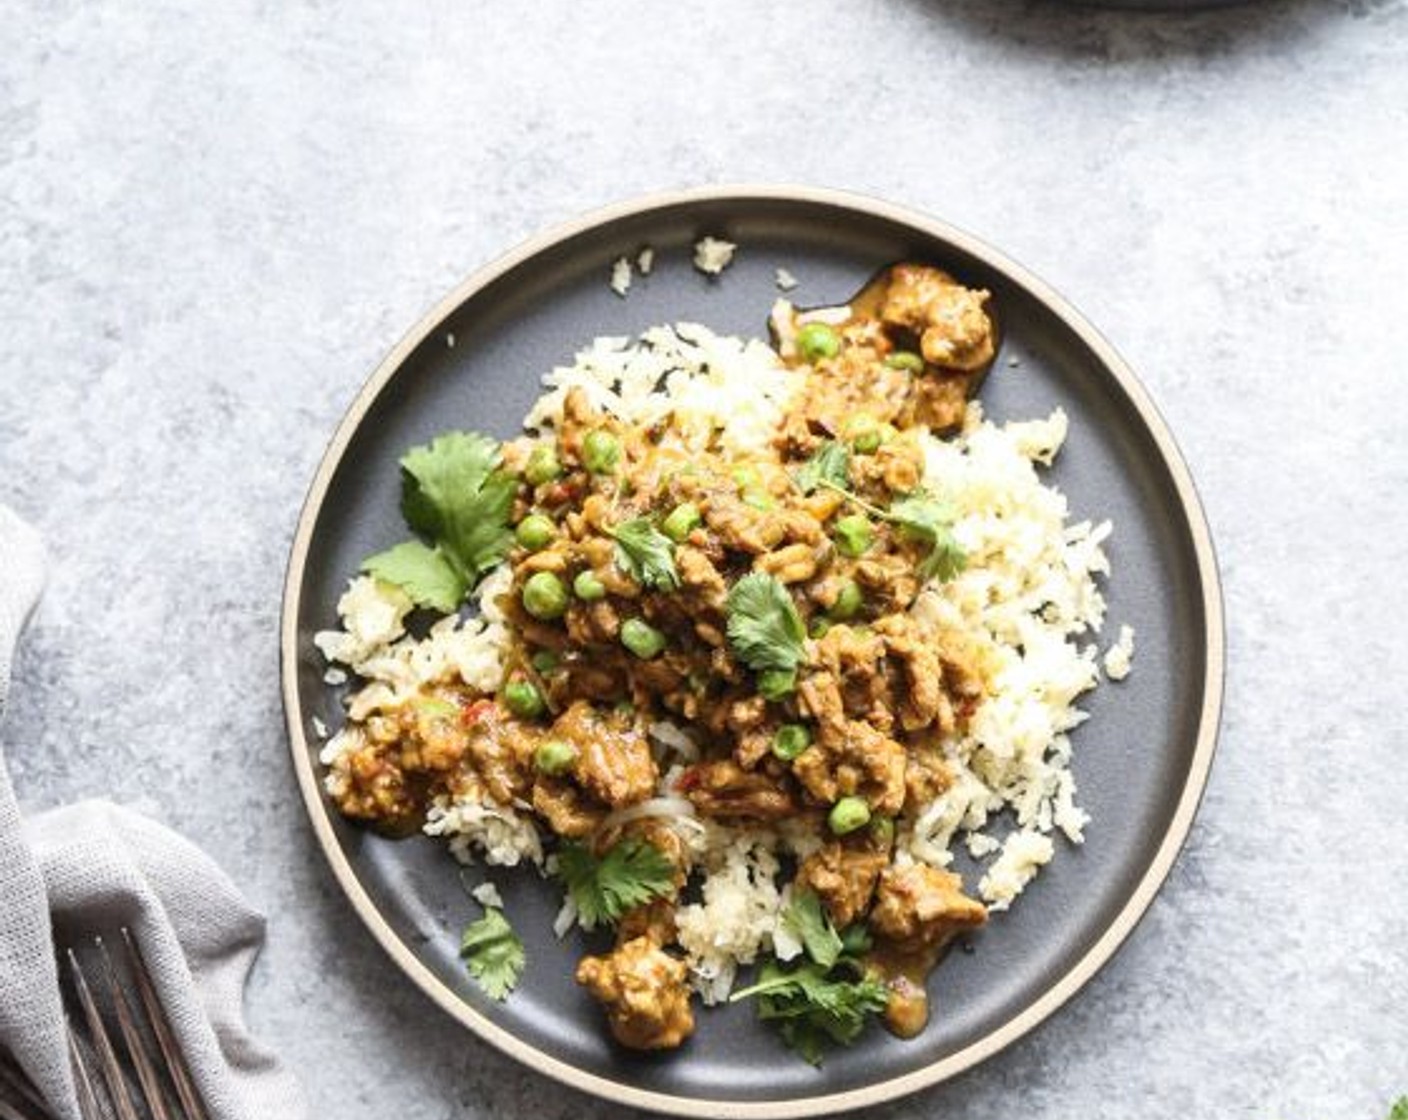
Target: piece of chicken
(644,992)
(955,331)
(843,874)
(921,907)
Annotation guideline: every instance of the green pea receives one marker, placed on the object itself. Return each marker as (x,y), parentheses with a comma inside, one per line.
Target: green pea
(641,638)
(524,700)
(746,477)
(848,814)
(776,684)
(864,433)
(601,451)
(848,600)
(544,596)
(682,521)
(791,740)
(544,661)
(819,627)
(816,341)
(758,499)
(883,830)
(587,587)
(907,360)
(433,708)
(854,536)
(542,466)
(535,532)
(554,757)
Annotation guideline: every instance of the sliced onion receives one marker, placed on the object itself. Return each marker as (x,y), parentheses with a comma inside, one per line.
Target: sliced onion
(675,739)
(675,809)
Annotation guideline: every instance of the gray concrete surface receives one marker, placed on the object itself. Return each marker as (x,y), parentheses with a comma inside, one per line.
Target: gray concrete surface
(216,217)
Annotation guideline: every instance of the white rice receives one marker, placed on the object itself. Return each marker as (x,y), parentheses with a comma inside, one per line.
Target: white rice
(738,910)
(645,261)
(373,616)
(785,280)
(1029,594)
(505,837)
(712,255)
(487,895)
(1119,658)
(1024,853)
(709,382)
(621,276)
(1029,601)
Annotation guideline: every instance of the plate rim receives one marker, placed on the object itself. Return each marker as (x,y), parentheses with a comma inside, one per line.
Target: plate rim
(1058,992)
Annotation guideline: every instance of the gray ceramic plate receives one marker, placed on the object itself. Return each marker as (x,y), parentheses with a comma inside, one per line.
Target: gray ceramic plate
(1141,761)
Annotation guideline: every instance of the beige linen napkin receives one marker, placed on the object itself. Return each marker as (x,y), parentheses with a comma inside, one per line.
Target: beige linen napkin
(96,865)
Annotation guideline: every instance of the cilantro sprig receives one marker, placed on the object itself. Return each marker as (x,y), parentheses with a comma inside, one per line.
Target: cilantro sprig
(457,497)
(831,463)
(829,997)
(815,1006)
(646,554)
(493,953)
(923,518)
(630,874)
(764,629)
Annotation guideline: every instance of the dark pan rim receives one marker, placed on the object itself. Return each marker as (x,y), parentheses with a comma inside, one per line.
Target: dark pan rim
(1059,991)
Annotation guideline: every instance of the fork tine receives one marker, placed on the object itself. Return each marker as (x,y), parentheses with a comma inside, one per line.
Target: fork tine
(161,1027)
(12,1112)
(107,1056)
(83,1080)
(19,1093)
(16,1102)
(136,1047)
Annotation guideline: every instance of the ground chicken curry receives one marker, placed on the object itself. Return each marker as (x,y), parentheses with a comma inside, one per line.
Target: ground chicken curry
(762,602)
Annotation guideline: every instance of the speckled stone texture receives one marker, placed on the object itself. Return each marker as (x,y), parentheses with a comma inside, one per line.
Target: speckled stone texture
(216,217)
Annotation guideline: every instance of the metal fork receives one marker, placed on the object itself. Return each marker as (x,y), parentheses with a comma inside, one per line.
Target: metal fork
(146,1039)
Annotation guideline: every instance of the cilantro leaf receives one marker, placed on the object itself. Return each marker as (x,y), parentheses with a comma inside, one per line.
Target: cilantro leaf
(1400,1109)
(831,462)
(923,518)
(806,919)
(930,521)
(813,1008)
(479,535)
(645,554)
(456,496)
(764,627)
(493,953)
(631,873)
(421,572)
(436,476)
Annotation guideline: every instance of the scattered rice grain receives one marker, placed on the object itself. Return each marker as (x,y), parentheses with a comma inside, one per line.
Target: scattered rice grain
(712,255)
(621,276)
